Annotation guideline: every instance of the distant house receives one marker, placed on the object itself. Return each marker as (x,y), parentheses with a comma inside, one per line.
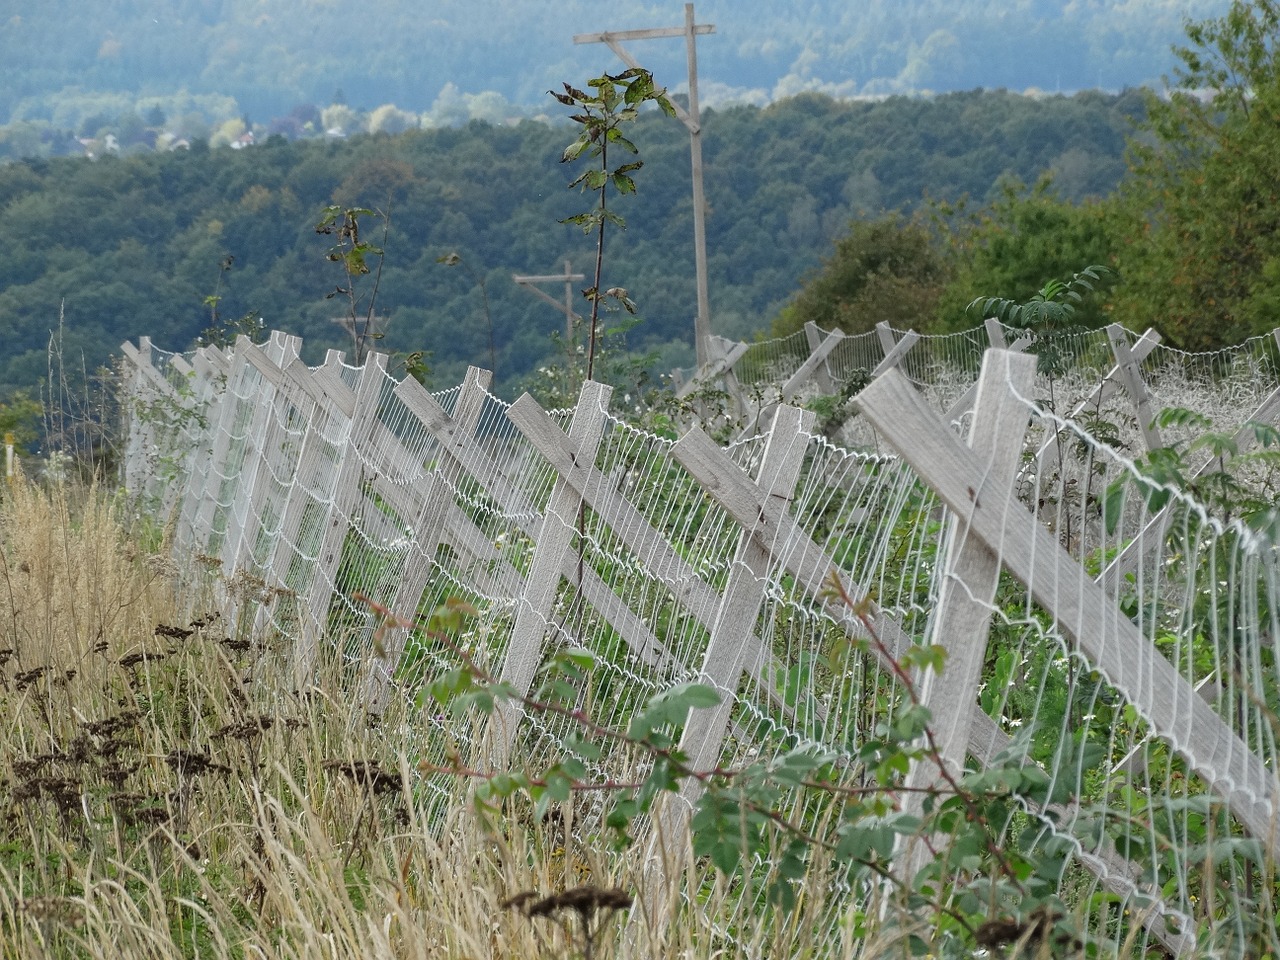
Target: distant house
(94,148)
(242,141)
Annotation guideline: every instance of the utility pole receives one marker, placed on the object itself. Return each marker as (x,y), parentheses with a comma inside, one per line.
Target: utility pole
(571,316)
(691,118)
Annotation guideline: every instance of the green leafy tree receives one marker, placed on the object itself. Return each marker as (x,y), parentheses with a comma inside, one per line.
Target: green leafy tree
(887,269)
(21,420)
(1202,245)
(1017,241)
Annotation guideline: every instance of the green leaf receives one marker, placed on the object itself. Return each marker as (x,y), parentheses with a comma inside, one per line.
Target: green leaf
(717,831)
(574,150)
(583,748)
(1113,504)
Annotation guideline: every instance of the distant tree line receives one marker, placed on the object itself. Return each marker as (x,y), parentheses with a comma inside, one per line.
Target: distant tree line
(1191,232)
(136,244)
(265,56)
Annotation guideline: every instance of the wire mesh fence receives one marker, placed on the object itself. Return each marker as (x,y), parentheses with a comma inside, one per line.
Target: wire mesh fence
(1129,641)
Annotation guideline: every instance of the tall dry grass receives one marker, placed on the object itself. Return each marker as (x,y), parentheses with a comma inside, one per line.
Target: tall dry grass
(166,794)
(165,791)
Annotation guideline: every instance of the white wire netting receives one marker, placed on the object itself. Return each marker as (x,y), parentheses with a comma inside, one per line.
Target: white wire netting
(323,489)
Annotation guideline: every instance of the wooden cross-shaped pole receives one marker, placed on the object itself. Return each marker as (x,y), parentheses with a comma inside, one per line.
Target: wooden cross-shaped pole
(570,315)
(692,120)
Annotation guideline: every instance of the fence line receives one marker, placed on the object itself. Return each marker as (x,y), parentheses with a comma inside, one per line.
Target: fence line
(1086,370)
(682,561)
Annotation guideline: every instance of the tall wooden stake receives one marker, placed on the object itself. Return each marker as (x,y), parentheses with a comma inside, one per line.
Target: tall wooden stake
(691,118)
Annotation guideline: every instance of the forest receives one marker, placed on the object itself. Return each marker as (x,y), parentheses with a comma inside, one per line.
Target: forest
(262,58)
(157,243)
(844,212)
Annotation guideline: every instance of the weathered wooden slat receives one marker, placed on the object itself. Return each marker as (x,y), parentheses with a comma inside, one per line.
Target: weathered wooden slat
(822,375)
(1131,377)
(729,354)
(893,352)
(1080,607)
(1100,394)
(812,364)
(734,646)
(552,548)
(962,617)
(995,334)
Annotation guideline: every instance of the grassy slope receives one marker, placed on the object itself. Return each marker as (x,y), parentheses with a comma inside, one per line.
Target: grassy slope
(167,793)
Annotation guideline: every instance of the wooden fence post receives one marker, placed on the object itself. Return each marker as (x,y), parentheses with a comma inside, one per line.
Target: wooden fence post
(814,366)
(427,517)
(347,493)
(1099,395)
(893,352)
(962,617)
(995,335)
(550,553)
(734,647)
(1131,377)
(1081,608)
(822,376)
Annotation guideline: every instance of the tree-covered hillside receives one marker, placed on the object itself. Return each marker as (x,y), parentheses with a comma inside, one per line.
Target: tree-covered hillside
(270,56)
(126,246)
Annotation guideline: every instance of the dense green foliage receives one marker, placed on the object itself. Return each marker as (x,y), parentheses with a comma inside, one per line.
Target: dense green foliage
(1192,232)
(888,269)
(1201,247)
(135,245)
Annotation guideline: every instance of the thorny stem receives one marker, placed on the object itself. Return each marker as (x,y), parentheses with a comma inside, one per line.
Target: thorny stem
(683,770)
(934,753)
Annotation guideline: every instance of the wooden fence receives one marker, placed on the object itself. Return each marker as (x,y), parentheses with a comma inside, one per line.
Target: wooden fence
(301,486)
(1094,369)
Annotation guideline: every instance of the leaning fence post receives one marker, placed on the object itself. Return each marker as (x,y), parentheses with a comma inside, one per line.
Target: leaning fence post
(962,618)
(347,493)
(428,530)
(822,376)
(559,525)
(893,351)
(734,647)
